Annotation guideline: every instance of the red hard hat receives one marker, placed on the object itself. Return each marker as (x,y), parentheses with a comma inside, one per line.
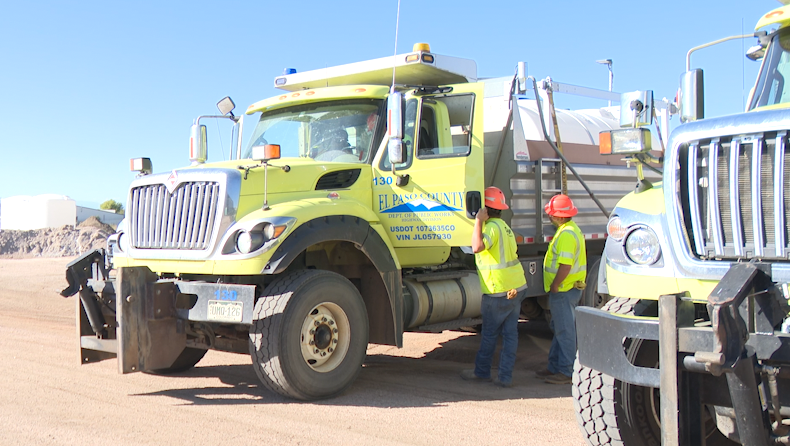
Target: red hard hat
(560,206)
(495,199)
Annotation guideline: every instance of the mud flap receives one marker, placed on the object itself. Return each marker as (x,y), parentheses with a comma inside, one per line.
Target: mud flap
(150,337)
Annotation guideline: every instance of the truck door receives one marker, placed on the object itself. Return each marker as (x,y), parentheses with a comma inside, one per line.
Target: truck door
(441,178)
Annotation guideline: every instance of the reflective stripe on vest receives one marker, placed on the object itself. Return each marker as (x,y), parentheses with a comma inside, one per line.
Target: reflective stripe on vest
(502,262)
(577,260)
(498,267)
(575,256)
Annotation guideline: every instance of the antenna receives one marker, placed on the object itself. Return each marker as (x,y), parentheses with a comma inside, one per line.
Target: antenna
(397,24)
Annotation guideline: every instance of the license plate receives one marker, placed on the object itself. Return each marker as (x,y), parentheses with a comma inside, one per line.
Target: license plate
(224,311)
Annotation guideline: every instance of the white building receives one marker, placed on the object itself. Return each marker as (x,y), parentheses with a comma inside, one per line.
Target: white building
(26,212)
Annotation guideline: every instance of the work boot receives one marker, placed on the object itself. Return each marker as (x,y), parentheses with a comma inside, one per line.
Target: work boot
(499,383)
(469,375)
(543,373)
(558,378)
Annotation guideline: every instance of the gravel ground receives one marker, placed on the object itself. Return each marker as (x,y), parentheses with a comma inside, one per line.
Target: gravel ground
(409,396)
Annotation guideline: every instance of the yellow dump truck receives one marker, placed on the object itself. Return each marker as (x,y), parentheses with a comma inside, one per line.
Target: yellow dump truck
(345,221)
(694,345)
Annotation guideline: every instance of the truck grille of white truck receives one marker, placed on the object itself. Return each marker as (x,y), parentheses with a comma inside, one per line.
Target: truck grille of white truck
(184,219)
(735,199)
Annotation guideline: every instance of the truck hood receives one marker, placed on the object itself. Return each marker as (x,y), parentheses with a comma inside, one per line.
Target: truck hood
(292,175)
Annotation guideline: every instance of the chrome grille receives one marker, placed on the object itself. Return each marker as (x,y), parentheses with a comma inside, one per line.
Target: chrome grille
(182,220)
(734,194)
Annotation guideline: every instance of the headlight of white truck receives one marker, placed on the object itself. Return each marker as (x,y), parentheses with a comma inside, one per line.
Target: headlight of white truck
(642,246)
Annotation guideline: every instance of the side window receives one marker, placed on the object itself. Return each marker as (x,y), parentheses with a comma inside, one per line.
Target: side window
(445,126)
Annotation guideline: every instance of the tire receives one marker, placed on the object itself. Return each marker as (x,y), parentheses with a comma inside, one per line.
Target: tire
(612,412)
(530,309)
(188,358)
(309,335)
(590,296)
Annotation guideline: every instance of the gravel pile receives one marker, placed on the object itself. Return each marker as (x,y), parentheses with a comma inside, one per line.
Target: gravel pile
(66,241)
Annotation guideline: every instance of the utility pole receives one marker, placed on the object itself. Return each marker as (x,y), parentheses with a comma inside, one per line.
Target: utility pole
(608,63)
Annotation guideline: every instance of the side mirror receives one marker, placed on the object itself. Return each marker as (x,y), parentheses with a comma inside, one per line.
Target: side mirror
(636,108)
(198,147)
(756,52)
(395,127)
(692,96)
(226,105)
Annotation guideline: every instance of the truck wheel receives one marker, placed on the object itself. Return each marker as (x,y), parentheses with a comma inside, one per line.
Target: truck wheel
(530,309)
(309,335)
(590,296)
(612,412)
(188,358)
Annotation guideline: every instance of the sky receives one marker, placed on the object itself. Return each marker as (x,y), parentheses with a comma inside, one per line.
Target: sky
(87,85)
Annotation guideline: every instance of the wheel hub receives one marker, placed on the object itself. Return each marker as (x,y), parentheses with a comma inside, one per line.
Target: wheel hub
(323,333)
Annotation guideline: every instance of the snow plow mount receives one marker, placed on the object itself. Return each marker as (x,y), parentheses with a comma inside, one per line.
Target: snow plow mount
(696,362)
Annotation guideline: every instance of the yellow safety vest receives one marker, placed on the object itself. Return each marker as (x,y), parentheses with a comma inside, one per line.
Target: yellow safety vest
(566,248)
(498,265)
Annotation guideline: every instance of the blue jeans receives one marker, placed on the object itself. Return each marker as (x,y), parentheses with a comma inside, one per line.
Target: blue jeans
(563,324)
(500,317)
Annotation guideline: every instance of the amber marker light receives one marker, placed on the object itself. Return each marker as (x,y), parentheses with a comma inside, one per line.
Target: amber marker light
(272,151)
(605,143)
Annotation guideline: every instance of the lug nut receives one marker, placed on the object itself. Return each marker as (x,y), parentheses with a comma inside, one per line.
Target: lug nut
(316,351)
(323,319)
(312,331)
(334,341)
(331,322)
(330,350)
(316,323)
(334,330)
(312,342)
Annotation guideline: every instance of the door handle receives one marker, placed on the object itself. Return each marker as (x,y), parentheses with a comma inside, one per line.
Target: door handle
(473,203)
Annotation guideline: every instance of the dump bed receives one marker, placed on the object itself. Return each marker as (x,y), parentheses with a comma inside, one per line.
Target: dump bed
(528,170)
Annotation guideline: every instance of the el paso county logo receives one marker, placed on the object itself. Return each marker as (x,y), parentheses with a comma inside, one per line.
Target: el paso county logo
(421,203)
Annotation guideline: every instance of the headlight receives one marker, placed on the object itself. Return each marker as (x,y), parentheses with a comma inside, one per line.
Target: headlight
(642,246)
(247,242)
(123,242)
(615,228)
(257,237)
(268,231)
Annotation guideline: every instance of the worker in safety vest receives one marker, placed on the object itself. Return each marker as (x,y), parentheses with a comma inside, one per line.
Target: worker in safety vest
(564,275)
(503,284)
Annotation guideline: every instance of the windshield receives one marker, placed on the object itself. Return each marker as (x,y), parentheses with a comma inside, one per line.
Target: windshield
(770,88)
(343,131)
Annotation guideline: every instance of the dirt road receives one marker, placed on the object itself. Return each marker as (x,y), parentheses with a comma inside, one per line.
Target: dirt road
(410,396)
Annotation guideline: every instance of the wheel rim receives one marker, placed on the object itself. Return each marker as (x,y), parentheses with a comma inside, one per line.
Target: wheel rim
(325,337)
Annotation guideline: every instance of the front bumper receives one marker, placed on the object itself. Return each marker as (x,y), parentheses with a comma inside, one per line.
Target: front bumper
(147,322)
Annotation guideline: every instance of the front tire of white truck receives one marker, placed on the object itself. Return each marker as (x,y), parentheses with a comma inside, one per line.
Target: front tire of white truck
(309,335)
(615,413)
